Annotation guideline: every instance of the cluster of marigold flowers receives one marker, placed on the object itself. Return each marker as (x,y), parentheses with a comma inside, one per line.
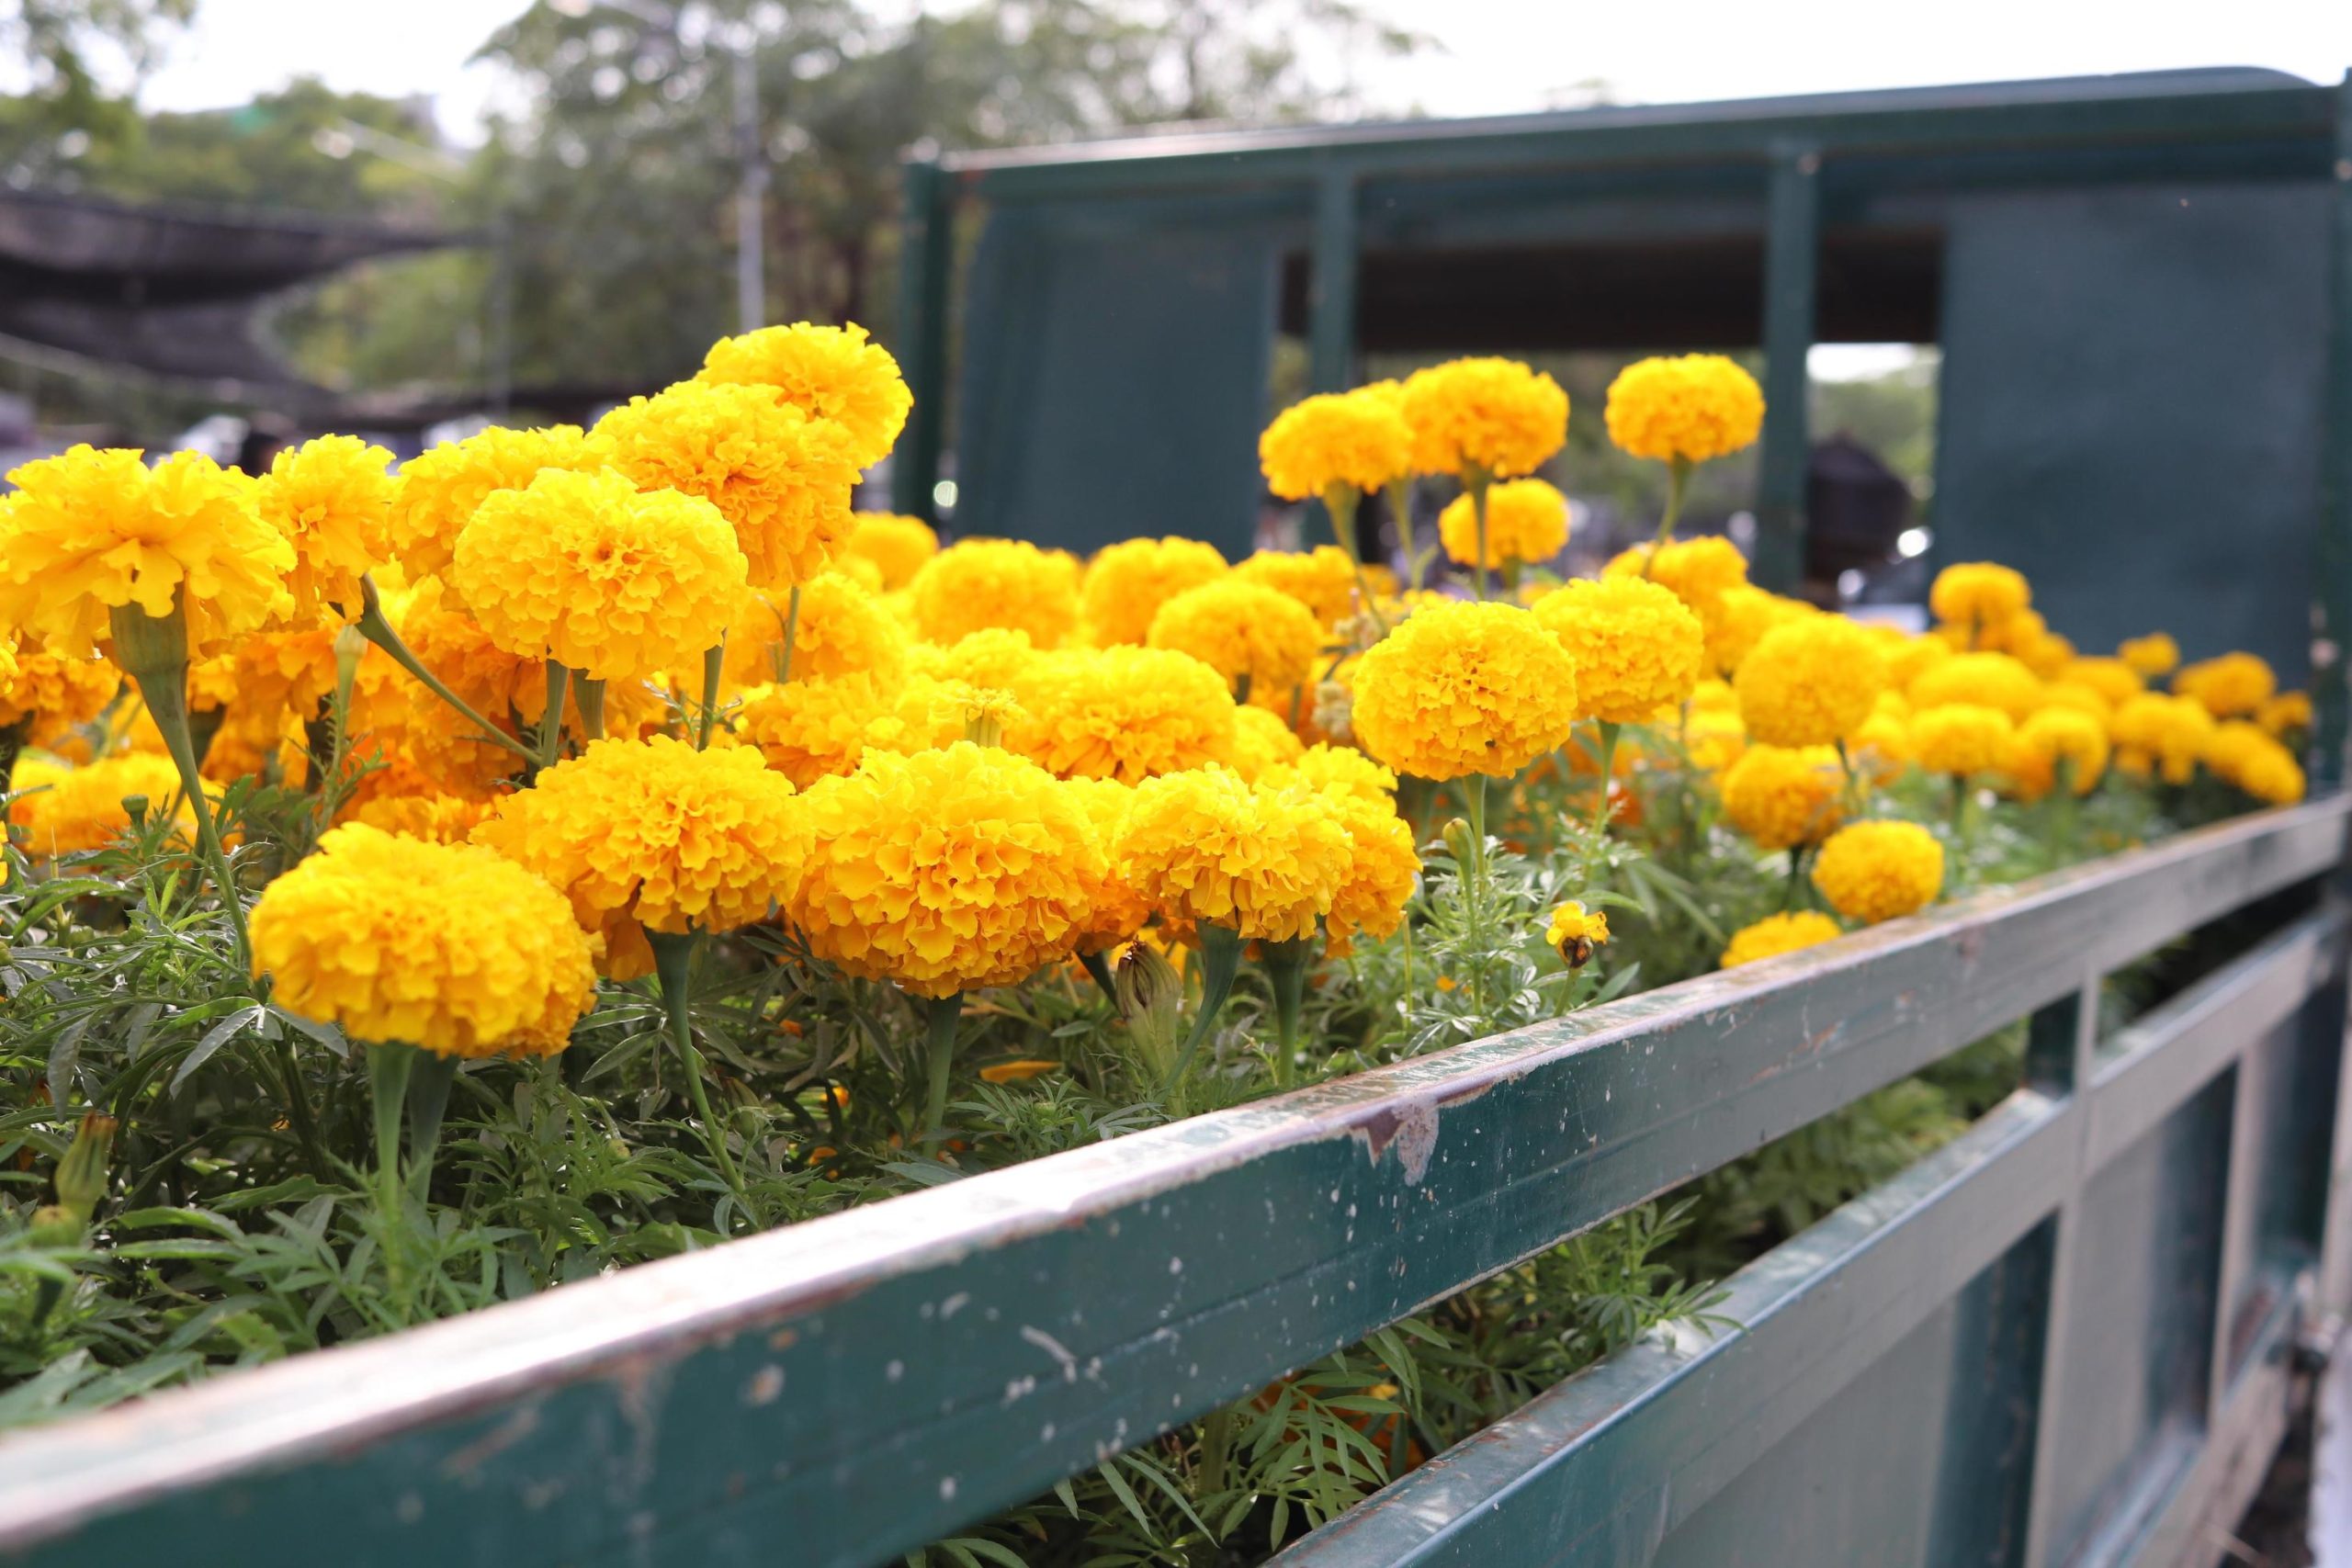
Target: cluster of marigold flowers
(597,690)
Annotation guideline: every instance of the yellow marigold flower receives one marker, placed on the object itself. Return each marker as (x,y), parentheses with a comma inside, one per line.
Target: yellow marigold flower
(586,569)
(975,584)
(2151,656)
(1715,695)
(843,630)
(1496,416)
(87,531)
(1322,578)
(1207,849)
(1122,713)
(1974,594)
(2055,735)
(403,798)
(1117,911)
(1776,934)
(2231,686)
(1527,520)
(1127,583)
(1263,744)
(1383,867)
(782,478)
(947,871)
(1466,688)
(1810,682)
(82,809)
(48,694)
(1688,407)
(1783,797)
(1636,647)
(437,490)
(1240,627)
(930,715)
(1987,680)
(1000,656)
(833,373)
(37,774)
(1744,614)
(2110,678)
(672,838)
(1576,931)
(451,947)
(2081,698)
(1340,770)
(1963,739)
(1335,438)
(2157,732)
(2283,714)
(1698,572)
(809,729)
(896,546)
(1714,739)
(332,498)
(1880,870)
(2246,755)
(1883,746)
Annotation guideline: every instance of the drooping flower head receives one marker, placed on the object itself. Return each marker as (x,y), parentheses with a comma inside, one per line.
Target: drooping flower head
(1335,438)
(1636,647)
(589,570)
(2154,654)
(1465,688)
(1122,713)
(1496,416)
(782,478)
(833,373)
(332,498)
(1970,595)
(1810,682)
(1207,849)
(975,584)
(451,947)
(1776,934)
(87,531)
(896,546)
(1962,739)
(947,871)
(438,490)
(1690,406)
(2051,736)
(1322,578)
(1127,583)
(1527,520)
(1783,797)
(1239,627)
(2233,685)
(1880,870)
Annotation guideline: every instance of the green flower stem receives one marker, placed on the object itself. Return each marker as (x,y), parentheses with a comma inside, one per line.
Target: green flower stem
(588,696)
(673,966)
(714,671)
(550,734)
(377,630)
(2062,808)
(1790,895)
(1287,964)
(1479,481)
(1853,780)
(1220,962)
(1341,501)
(791,636)
(1100,967)
(1678,477)
(941,1014)
(1400,510)
(389,1067)
(1609,733)
(428,1101)
(1473,885)
(1216,1450)
(1241,690)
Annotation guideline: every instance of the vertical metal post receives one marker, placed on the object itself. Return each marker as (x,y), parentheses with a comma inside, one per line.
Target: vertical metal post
(1331,283)
(2332,609)
(1791,264)
(926,236)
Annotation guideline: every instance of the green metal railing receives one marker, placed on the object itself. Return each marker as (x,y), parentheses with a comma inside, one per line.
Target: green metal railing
(844,1390)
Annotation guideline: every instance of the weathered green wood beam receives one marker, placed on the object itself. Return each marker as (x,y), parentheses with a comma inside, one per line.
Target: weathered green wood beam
(864,1383)
(1331,283)
(926,264)
(1791,286)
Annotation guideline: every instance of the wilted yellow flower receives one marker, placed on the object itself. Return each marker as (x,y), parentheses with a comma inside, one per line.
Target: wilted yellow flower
(1576,931)
(896,546)
(1527,520)
(48,694)
(1987,680)
(586,569)
(1263,744)
(1122,713)
(1496,416)
(1810,682)
(1698,572)
(975,584)
(2231,686)
(2287,712)
(438,490)
(1240,628)
(843,630)
(2166,734)
(82,809)
(451,947)
(1127,583)
(2151,656)
(1781,797)
(1776,934)
(947,871)
(332,498)
(1207,849)
(1335,438)
(1963,738)
(1690,406)
(2051,736)
(1636,647)
(1322,578)
(1383,867)
(781,479)
(832,373)
(88,531)
(1465,688)
(1972,595)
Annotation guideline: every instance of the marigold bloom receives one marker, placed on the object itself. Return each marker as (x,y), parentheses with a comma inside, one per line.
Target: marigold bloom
(2162,733)
(1974,594)
(1527,520)
(1341,770)
(597,575)
(2081,698)
(48,694)
(2244,754)
(833,373)
(1783,797)
(1322,578)
(2055,735)
(1689,407)
(1262,743)
(1698,572)
(999,657)
(81,808)
(1207,849)
(332,498)
(2287,712)
(1637,648)
(437,490)
(976,584)
(2234,685)
(451,947)
(809,729)
(1576,931)
(1776,934)
(947,871)
(1117,911)
(1744,614)
(1882,747)
(87,531)
(674,839)
(780,478)
(1963,739)
(1127,583)
(1335,438)
(2110,678)
(1987,680)
(896,546)
(1496,416)
(1383,867)
(1880,870)
(841,629)
(1239,627)
(930,715)
(1124,713)
(2151,656)
(1466,688)
(1810,682)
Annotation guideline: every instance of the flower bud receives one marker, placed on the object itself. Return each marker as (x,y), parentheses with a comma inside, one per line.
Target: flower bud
(1151,996)
(1458,841)
(81,1174)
